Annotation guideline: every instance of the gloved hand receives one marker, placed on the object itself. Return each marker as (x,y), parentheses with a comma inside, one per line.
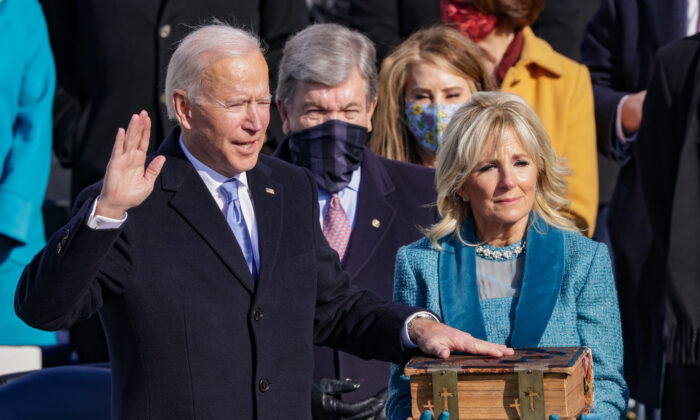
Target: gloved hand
(428,415)
(327,405)
(583,417)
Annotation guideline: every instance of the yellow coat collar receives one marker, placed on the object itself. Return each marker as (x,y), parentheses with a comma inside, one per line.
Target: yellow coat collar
(538,52)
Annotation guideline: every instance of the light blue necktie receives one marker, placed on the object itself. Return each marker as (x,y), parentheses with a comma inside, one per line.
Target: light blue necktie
(234,217)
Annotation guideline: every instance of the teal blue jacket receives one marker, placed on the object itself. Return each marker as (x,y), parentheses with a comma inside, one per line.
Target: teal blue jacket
(27,83)
(567,298)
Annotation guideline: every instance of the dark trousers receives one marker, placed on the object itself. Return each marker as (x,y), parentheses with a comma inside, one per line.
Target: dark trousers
(681,399)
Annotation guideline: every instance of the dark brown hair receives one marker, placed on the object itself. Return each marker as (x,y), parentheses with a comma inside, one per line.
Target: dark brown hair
(511,14)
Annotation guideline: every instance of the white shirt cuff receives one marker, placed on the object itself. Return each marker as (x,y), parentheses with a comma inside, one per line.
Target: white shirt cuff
(405,339)
(619,131)
(101,222)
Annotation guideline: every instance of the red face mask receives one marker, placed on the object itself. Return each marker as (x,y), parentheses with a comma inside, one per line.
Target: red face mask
(469,20)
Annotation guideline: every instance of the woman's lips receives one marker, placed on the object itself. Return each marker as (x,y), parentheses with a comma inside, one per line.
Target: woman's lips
(508,200)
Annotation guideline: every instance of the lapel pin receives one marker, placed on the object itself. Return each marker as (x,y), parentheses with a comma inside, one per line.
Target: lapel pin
(270,191)
(376,223)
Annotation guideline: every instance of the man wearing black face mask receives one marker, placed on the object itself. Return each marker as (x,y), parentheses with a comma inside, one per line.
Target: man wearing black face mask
(369,206)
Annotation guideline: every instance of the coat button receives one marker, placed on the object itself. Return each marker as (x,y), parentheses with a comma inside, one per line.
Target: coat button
(258,314)
(264,385)
(164,31)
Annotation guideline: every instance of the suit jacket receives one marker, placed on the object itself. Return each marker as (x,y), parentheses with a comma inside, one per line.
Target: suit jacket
(112,56)
(619,48)
(567,298)
(191,335)
(394,201)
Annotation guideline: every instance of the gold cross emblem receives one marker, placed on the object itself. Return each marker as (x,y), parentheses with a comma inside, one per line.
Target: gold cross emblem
(531,394)
(444,394)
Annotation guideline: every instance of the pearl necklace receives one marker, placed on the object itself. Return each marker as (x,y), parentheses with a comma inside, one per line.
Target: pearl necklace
(492,253)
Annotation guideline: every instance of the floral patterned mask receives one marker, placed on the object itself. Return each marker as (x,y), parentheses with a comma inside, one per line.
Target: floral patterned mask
(427,122)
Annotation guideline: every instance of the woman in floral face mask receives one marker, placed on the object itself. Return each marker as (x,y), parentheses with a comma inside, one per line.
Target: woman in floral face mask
(421,85)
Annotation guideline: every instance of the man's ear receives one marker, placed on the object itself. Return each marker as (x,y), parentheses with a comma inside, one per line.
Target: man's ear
(372,106)
(284,115)
(183,108)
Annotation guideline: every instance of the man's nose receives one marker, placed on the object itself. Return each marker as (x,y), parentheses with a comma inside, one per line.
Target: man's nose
(256,116)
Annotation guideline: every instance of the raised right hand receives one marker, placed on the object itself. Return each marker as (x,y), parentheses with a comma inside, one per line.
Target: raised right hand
(126,183)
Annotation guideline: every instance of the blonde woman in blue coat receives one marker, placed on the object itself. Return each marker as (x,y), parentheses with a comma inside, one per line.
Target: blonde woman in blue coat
(503,264)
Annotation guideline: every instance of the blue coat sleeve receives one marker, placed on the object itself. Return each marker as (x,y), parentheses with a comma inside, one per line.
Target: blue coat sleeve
(28,124)
(598,324)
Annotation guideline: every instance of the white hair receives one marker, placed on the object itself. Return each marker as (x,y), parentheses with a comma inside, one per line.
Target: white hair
(197,51)
(326,53)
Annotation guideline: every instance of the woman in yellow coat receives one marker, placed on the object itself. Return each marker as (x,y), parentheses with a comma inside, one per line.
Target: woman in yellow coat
(557,88)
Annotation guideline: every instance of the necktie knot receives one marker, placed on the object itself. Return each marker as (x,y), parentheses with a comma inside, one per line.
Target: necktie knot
(229,190)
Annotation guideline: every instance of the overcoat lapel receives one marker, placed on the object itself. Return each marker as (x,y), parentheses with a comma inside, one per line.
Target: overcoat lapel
(542,279)
(192,201)
(267,200)
(375,215)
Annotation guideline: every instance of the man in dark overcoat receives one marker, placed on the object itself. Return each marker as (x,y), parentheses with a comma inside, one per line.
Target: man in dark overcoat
(206,262)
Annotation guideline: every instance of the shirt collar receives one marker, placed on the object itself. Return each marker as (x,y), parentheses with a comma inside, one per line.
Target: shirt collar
(355,180)
(211,178)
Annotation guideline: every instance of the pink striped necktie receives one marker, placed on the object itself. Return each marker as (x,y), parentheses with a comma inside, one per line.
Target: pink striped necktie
(336,226)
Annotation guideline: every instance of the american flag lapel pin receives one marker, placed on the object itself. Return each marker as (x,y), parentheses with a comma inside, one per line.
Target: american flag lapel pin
(270,191)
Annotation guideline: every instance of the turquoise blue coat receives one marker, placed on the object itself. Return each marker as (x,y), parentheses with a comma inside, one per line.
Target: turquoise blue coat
(567,298)
(27,83)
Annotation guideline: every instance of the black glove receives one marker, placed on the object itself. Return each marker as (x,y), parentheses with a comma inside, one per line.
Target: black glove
(327,405)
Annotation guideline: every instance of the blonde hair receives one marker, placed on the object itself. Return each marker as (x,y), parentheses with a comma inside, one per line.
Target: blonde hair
(476,127)
(440,45)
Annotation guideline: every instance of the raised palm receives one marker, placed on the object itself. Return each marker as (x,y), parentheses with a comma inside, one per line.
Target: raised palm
(127,182)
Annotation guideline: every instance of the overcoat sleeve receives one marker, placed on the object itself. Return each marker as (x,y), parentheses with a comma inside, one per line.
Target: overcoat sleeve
(70,278)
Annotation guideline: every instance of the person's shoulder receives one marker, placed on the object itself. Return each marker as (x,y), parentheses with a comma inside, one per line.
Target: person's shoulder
(419,171)
(681,50)
(404,174)
(421,248)
(579,245)
(543,55)
(279,167)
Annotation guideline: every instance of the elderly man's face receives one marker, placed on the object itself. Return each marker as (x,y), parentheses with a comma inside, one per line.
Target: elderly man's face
(225,129)
(315,103)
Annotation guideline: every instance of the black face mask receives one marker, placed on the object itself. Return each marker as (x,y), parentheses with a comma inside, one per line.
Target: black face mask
(332,151)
